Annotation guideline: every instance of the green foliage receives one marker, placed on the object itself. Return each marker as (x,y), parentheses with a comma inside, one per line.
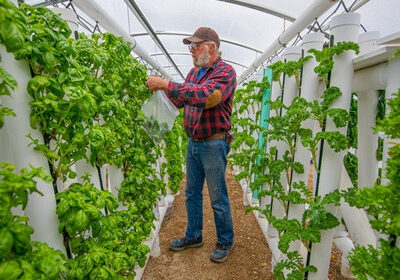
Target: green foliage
(87,96)
(350,162)
(294,263)
(381,107)
(379,264)
(352,132)
(391,123)
(274,171)
(396,54)
(12,26)
(324,57)
(7,82)
(381,202)
(80,208)
(174,152)
(21,258)
(289,68)
(113,246)
(155,129)
(12,36)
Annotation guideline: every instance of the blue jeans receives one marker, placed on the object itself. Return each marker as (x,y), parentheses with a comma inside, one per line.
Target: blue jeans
(207,160)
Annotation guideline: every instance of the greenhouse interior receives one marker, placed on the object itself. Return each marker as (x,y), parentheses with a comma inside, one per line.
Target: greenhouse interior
(117,117)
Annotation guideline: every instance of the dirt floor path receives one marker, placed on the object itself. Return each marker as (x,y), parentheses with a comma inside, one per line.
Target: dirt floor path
(250,258)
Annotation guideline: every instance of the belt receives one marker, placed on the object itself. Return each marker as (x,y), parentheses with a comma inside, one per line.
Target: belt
(211,137)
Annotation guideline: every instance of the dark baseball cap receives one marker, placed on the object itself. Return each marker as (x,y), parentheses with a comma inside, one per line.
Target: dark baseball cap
(203,34)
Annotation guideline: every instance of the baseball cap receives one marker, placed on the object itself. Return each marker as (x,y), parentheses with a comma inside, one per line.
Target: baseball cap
(203,34)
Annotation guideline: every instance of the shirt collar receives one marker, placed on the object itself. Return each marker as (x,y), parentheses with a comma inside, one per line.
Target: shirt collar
(216,62)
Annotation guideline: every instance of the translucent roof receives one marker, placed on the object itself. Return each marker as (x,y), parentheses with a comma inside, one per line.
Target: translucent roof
(246,28)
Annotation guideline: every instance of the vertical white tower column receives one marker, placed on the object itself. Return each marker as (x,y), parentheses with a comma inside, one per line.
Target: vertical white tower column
(367,109)
(290,91)
(276,91)
(41,210)
(393,86)
(344,27)
(309,91)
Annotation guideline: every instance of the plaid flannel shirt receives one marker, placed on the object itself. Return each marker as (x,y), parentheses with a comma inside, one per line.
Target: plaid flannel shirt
(207,102)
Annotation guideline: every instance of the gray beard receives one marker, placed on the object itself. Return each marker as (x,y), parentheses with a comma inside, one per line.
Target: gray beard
(202,60)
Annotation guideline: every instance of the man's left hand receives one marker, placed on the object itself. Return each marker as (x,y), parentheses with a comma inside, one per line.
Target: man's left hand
(156,83)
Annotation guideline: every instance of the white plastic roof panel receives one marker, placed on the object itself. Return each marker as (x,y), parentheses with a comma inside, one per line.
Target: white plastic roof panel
(253,23)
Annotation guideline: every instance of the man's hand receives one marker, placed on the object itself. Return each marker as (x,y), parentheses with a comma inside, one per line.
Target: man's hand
(156,83)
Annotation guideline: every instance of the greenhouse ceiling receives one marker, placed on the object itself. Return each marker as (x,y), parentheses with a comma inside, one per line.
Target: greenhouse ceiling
(246,28)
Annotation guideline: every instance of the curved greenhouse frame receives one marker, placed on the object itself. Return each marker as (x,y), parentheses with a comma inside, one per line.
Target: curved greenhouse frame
(86,179)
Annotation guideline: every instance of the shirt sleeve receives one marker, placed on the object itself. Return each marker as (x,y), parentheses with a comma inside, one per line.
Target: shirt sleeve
(178,103)
(212,92)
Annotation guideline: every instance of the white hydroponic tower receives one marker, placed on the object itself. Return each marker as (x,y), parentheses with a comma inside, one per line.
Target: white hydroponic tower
(254,35)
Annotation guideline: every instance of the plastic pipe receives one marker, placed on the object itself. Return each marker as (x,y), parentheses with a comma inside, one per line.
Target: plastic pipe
(309,91)
(98,14)
(367,109)
(7,156)
(315,10)
(367,42)
(355,7)
(289,92)
(393,86)
(367,139)
(277,255)
(371,78)
(276,91)
(356,220)
(345,245)
(41,210)
(152,242)
(344,27)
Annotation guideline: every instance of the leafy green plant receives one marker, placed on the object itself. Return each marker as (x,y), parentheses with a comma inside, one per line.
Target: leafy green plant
(155,129)
(7,83)
(381,203)
(21,258)
(104,246)
(352,131)
(324,57)
(273,169)
(12,36)
(350,162)
(290,68)
(87,97)
(174,152)
(12,26)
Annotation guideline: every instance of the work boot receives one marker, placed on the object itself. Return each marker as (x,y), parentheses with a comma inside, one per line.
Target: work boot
(184,243)
(221,252)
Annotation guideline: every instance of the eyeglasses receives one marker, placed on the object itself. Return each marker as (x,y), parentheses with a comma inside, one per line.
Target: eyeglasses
(194,46)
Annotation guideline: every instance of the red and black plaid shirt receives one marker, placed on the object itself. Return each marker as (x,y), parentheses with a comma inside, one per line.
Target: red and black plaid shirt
(192,94)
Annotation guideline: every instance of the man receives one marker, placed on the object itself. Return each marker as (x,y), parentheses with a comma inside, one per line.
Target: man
(206,96)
